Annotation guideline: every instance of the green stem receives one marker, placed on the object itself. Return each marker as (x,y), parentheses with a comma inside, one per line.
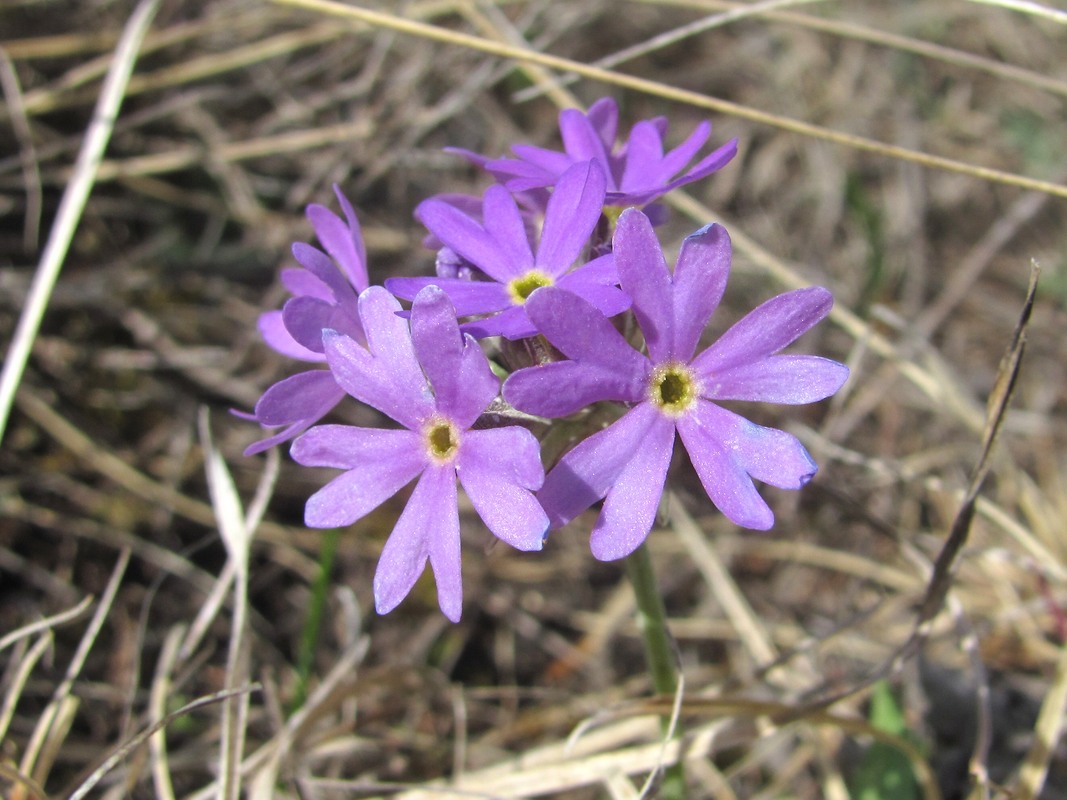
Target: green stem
(310,636)
(659,649)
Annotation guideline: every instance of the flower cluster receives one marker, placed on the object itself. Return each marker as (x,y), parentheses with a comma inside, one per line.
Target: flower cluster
(561,245)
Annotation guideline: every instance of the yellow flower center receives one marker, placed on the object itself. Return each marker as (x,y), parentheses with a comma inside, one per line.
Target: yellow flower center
(673,388)
(442,440)
(522,287)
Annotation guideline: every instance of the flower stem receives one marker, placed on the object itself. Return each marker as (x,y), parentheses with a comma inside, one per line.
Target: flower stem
(659,649)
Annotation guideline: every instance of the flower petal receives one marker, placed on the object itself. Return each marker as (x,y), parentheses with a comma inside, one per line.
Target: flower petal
(306,395)
(644,276)
(699,282)
(630,505)
(586,474)
(319,264)
(429,514)
(511,323)
(503,221)
(276,335)
(467,297)
(603,115)
(727,452)
(343,241)
(464,235)
(644,152)
(388,377)
(580,139)
(777,379)
(766,329)
(455,365)
(498,469)
(428,528)
(379,463)
(305,318)
(564,387)
(573,212)
(300,282)
(581,332)
(676,159)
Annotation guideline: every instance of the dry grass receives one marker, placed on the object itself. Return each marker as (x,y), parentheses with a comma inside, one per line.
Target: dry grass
(152,629)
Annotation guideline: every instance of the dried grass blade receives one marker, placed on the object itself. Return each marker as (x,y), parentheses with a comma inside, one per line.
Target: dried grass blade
(61,618)
(73,202)
(126,748)
(52,719)
(668,92)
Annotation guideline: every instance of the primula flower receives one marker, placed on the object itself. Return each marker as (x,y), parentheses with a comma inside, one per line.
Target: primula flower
(324,296)
(626,463)
(435,382)
(500,247)
(637,173)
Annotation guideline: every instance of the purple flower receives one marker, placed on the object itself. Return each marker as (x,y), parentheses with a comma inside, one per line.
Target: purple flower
(637,173)
(670,390)
(500,247)
(435,382)
(324,296)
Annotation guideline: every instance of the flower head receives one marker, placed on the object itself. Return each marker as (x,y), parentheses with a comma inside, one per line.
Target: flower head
(670,390)
(324,296)
(435,382)
(500,247)
(637,173)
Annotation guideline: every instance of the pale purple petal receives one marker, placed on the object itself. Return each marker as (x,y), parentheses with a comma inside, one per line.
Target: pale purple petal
(580,139)
(789,379)
(498,469)
(319,264)
(551,162)
(712,162)
(564,387)
(630,505)
(581,332)
(305,318)
(728,452)
(680,156)
(342,240)
(572,214)
(512,323)
(464,235)
(388,377)
(503,221)
(300,282)
(306,395)
(455,365)
(431,514)
(276,335)
(766,329)
(699,282)
(644,152)
(606,299)
(603,115)
(468,297)
(586,474)
(284,435)
(379,463)
(644,276)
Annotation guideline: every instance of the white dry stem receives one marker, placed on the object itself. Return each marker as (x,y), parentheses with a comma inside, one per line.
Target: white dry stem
(668,38)
(238,539)
(161,686)
(54,718)
(73,203)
